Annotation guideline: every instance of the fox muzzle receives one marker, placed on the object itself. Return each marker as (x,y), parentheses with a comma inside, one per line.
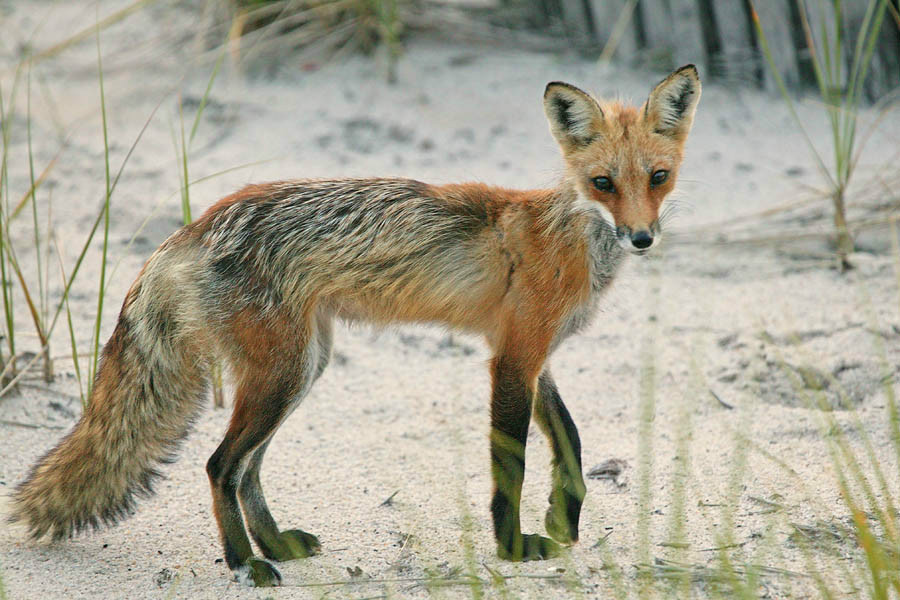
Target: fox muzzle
(638,241)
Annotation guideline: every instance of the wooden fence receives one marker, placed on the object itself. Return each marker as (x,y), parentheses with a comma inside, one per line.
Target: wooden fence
(720,38)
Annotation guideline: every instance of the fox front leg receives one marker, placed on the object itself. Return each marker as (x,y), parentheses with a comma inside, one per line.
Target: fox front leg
(568,483)
(510,414)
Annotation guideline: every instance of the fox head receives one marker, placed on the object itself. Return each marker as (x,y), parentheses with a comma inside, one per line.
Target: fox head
(623,160)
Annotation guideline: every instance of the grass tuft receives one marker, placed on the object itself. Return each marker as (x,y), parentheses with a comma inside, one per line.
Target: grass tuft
(320,29)
(840,91)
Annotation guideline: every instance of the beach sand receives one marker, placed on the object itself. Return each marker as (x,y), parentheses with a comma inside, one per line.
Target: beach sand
(710,341)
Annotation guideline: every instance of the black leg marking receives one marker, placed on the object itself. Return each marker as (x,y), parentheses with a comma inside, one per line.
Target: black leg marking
(568,483)
(257,414)
(222,477)
(510,416)
(275,545)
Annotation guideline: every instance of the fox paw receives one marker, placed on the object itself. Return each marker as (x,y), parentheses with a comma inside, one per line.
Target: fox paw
(294,543)
(256,572)
(560,527)
(531,547)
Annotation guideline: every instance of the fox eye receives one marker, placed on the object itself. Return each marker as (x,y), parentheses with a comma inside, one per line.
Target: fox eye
(659,177)
(604,184)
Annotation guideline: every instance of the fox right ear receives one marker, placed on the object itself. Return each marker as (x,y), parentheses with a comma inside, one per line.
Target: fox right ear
(574,116)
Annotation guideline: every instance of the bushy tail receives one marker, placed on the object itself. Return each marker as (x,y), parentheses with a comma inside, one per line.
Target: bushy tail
(150,386)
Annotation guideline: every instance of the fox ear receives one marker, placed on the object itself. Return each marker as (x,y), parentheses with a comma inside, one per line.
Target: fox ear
(670,108)
(574,116)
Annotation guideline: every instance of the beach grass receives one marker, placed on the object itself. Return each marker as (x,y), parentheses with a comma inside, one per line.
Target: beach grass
(840,92)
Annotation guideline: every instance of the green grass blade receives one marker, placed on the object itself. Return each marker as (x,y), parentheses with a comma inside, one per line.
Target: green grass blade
(3,595)
(75,357)
(825,78)
(34,213)
(767,52)
(185,196)
(205,98)
(185,189)
(94,227)
(895,14)
(817,63)
(838,57)
(29,301)
(646,413)
(45,303)
(862,60)
(8,303)
(7,297)
(829,61)
(893,411)
(874,9)
(95,354)
(35,185)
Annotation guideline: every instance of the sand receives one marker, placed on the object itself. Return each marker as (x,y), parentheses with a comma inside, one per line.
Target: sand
(707,342)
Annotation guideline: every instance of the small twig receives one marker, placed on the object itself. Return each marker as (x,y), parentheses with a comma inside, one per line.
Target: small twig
(814,532)
(10,364)
(722,402)
(29,425)
(679,545)
(854,226)
(12,383)
(406,539)
(725,547)
(764,502)
(602,540)
(667,568)
(779,571)
(390,499)
(496,576)
(50,390)
(470,580)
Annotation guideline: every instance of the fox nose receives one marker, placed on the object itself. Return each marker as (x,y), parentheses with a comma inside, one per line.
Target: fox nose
(641,240)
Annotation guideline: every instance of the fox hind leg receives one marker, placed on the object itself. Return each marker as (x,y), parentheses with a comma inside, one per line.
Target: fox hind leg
(274,544)
(248,430)
(274,362)
(257,414)
(295,543)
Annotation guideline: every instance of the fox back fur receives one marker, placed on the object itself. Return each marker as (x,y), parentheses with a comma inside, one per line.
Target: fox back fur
(259,278)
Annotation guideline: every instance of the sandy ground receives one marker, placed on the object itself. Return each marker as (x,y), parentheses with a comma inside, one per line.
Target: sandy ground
(403,413)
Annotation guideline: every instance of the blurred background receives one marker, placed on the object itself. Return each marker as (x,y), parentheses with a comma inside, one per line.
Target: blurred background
(745,374)
(727,39)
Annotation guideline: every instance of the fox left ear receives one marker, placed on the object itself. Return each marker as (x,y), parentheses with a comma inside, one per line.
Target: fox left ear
(670,108)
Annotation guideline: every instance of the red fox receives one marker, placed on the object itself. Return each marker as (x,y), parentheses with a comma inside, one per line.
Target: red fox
(259,278)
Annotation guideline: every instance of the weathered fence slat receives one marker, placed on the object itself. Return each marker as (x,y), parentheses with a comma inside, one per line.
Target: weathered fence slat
(738,59)
(659,36)
(775,20)
(688,31)
(577,18)
(719,36)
